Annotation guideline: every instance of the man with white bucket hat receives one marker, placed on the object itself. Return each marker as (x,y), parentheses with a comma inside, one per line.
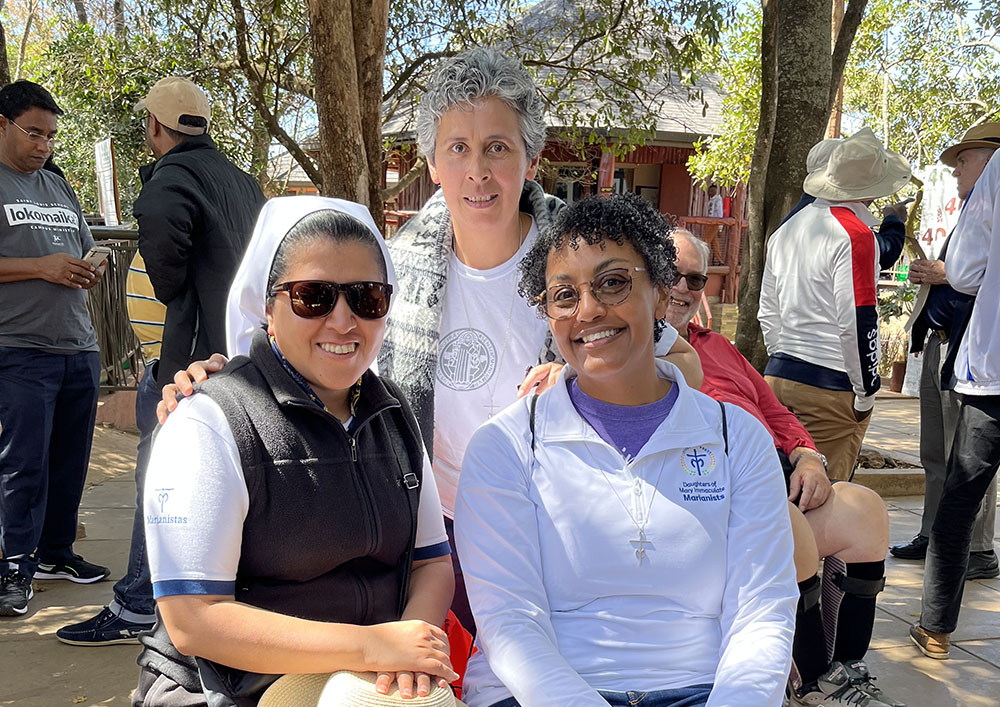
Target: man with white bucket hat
(818,306)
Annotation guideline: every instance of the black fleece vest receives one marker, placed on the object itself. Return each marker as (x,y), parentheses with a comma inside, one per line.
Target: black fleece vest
(332,516)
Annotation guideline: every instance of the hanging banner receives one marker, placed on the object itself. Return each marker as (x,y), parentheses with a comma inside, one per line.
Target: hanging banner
(940,208)
(107,182)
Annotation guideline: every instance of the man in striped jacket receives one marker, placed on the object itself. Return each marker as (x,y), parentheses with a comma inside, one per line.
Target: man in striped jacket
(818,306)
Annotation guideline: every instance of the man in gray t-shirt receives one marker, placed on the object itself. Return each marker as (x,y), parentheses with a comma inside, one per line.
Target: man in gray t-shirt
(48,355)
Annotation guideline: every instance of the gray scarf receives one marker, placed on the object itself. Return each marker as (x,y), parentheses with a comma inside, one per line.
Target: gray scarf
(420,252)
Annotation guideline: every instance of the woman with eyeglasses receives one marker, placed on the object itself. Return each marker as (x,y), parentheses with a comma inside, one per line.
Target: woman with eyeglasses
(459,338)
(292,518)
(625,538)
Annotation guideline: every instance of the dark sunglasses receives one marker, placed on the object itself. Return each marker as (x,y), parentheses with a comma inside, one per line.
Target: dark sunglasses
(694,281)
(610,288)
(312,299)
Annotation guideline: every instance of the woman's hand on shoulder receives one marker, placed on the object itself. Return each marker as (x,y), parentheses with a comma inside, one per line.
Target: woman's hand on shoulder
(184,381)
(540,378)
(402,650)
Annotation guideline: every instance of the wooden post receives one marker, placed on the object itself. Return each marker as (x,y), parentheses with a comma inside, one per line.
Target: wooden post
(735,239)
(606,173)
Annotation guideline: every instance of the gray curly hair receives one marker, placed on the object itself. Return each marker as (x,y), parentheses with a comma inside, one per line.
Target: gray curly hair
(474,74)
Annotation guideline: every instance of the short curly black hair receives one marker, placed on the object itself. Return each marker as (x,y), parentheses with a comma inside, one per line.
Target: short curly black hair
(622,218)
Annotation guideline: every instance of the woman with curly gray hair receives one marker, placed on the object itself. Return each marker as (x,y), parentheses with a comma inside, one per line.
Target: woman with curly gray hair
(460,338)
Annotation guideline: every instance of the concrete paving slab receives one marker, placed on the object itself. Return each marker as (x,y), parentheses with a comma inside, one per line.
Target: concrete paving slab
(110,496)
(889,632)
(962,681)
(909,503)
(46,673)
(980,617)
(901,573)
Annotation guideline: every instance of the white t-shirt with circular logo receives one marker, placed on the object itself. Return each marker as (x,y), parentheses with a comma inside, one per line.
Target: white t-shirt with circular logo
(490,336)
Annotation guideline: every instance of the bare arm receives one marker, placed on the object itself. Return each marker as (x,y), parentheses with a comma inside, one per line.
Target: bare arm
(223,630)
(57,268)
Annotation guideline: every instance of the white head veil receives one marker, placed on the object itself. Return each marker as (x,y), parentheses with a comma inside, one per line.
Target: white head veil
(248,294)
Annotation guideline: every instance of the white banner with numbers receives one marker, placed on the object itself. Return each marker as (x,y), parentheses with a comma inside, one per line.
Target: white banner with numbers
(940,208)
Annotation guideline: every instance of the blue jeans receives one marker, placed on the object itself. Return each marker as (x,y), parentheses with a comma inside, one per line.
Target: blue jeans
(692,696)
(134,592)
(48,403)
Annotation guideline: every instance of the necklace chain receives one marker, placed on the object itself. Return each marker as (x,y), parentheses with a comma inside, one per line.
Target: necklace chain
(641,542)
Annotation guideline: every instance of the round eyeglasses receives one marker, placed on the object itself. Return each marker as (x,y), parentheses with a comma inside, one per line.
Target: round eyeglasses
(610,288)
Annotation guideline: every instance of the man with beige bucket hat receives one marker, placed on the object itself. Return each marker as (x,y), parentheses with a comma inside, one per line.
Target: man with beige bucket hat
(936,325)
(818,306)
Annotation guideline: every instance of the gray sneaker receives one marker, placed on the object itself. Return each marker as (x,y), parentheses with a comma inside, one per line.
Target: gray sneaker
(835,687)
(861,677)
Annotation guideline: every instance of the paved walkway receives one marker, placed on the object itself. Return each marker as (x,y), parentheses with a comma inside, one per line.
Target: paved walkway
(38,671)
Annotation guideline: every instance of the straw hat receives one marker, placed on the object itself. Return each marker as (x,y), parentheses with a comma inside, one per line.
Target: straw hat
(985,135)
(859,168)
(346,689)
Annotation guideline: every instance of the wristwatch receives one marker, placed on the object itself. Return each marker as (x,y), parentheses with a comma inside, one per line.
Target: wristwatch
(810,453)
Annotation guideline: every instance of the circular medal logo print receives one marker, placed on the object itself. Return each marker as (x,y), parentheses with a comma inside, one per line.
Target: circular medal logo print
(698,461)
(467,359)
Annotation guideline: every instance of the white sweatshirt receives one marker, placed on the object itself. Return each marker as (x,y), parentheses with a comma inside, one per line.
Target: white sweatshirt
(973,267)
(563,607)
(817,297)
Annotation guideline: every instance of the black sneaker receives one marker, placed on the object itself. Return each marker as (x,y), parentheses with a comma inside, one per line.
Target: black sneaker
(916,549)
(983,565)
(76,570)
(105,629)
(15,593)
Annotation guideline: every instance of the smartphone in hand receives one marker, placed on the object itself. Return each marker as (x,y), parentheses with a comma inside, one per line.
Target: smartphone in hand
(97,256)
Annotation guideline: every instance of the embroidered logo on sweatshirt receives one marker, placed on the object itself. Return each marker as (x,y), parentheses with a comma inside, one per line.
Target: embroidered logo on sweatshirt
(698,461)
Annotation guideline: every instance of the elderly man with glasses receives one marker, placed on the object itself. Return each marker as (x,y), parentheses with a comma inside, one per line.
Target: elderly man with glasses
(845,525)
(48,354)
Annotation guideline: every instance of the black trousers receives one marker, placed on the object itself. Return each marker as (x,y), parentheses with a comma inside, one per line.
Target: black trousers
(975,457)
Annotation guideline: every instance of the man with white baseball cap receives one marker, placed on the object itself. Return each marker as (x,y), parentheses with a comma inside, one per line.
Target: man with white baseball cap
(196,213)
(818,307)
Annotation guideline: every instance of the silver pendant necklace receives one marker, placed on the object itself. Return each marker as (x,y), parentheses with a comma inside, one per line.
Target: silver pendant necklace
(640,544)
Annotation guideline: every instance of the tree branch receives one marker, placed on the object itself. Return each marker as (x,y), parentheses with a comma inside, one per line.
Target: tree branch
(412,69)
(853,14)
(260,103)
(416,171)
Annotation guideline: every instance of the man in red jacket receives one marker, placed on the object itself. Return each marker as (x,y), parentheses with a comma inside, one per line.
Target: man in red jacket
(845,524)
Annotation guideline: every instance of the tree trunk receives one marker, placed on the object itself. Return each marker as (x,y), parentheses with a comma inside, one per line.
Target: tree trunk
(806,77)
(119,19)
(748,336)
(81,11)
(24,39)
(837,111)
(4,66)
(348,52)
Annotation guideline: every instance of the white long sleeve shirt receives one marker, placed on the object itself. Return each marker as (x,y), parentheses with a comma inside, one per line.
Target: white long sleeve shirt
(817,297)
(563,607)
(973,267)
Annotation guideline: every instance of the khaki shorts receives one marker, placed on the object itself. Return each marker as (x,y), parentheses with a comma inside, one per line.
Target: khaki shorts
(828,416)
